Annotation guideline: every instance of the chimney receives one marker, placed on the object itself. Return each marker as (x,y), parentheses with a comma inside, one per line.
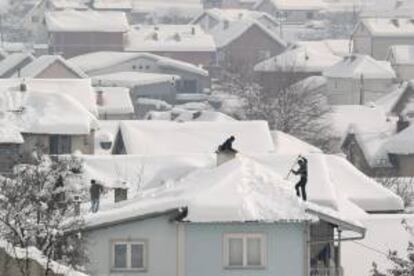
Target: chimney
(121,192)
(398,4)
(100,97)
(23,87)
(225,151)
(193,30)
(402,123)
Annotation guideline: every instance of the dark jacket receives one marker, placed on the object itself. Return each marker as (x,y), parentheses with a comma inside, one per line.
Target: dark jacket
(303,170)
(95,191)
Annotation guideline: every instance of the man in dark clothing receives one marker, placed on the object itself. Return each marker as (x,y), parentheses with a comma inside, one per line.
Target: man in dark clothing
(95,191)
(303,172)
(227,145)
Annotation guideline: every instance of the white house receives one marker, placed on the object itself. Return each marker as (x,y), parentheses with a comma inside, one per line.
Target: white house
(114,103)
(375,36)
(401,58)
(358,79)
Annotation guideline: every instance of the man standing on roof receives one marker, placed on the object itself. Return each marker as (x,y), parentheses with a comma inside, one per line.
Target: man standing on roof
(227,145)
(303,172)
(95,190)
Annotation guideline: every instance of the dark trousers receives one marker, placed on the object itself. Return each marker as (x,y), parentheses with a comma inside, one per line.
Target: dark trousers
(95,205)
(302,186)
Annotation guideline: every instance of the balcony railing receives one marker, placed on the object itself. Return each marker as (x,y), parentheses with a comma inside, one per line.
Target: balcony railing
(326,272)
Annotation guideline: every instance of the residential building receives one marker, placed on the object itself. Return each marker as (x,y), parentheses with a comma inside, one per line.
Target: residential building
(375,36)
(359,79)
(13,63)
(401,58)
(235,29)
(114,103)
(73,33)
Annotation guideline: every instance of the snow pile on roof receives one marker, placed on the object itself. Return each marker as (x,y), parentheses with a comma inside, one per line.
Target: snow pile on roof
(356,66)
(300,5)
(235,22)
(402,143)
(68,4)
(100,60)
(401,55)
(300,59)
(160,137)
(183,115)
(112,4)
(288,144)
(13,60)
(9,134)
(45,112)
(34,254)
(80,90)
(86,21)
(40,64)
(116,100)
(338,47)
(132,79)
(169,38)
(389,27)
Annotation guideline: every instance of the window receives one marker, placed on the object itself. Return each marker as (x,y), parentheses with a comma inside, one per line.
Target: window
(244,250)
(60,144)
(129,255)
(187,86)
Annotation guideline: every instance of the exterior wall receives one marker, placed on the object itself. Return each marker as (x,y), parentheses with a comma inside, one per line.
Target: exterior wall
(348,91)
(285,249)
(406,165)
(159,234)
(404,72)
(274,80)
(242,52)
(57,71)
(381,45)
(117,117)
(362,41)
(299,17)
(9,155)
(355,155)
(71,44)
(160,91)
(197,58)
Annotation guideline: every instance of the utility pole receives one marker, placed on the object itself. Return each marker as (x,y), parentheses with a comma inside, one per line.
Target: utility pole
(1,30)
(361,91)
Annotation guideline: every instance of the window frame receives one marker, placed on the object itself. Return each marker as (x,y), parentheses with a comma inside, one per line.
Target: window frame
(244,236)
(129,244)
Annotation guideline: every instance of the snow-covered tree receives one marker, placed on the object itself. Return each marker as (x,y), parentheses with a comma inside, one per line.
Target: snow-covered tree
(294,108)
(37,209)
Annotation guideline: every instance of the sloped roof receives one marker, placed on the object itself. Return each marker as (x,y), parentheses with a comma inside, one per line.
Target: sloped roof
(402,143)
(69,4)
(99,60)
(338,47)
(299,59)
(169,38)
(301,5)
(355,66)
(112,4)
(389,27)
(164,137)
(132,79)
(86,21)
(43,62)
(116,100)
(13,60)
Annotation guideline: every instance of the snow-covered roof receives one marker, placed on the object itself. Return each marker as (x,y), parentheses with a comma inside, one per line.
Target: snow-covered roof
(355,66)
(300,5)
(80,90)
(389,27)
(9,133)
(288,144)
(40,64)
(116,100)
(233,23)
(169,38)
(86,21)
(401,55)
(338,47)
(183,115)
(45,112)
(68,4)
(33,254)
(3,54)
(160,8)
(132,79)
(112,5)
(12,61)
(161,137)
(299,59)
(100,60)
(401,143)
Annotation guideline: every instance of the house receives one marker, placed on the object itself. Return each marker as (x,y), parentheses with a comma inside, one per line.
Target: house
(358,79)
(229,4)
(193,79)
(399,102)
(146,85)
(401,58)
(73,33)
(375,36)
(235,29)
(3,54)
(337,47)
(292,66)
(292,11)
(13,63)
(253,211)
(58,5)
(188,43)
(114,103)
(51,122)
(51,67)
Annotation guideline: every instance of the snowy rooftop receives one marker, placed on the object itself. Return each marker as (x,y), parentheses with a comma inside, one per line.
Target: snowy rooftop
(401,143)
(100,60)
(286,144)
(68,4)
(398,27)
(116,100)
(185,8)
(355,66)
(180,114)
(132,79)
(160,137)
(301,5)
(338,47)
(169,38)
(299,59)
(112,4)
(80,90)
(40,64)
(401,55)
(13,60)
(86,21)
